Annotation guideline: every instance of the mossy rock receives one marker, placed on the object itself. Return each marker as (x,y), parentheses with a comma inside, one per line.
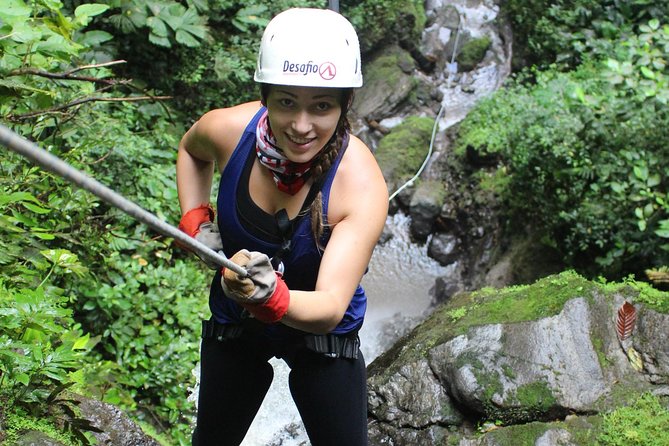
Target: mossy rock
(387,84)
(472,53)
(401,153)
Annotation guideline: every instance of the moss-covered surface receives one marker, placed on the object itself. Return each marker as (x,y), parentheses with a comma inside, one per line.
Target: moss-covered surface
(641,292)
(18,422)
(386,68)
(544,298)
(401,152)
(642,423)
(432,191)
(472,53)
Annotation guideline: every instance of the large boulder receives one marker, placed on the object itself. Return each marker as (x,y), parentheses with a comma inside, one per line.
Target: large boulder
(517,356)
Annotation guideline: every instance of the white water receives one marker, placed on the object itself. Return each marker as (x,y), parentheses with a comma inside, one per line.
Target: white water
(398,287)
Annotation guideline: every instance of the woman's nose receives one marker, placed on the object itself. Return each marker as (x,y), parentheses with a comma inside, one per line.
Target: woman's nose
(301,122)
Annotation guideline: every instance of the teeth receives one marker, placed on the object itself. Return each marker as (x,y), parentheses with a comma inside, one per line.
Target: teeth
(299,141)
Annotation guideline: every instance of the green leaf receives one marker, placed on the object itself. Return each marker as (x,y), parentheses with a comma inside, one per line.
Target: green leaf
(15,8)
(186,38)
(23,378)
(653,180)
(43,235)
(641,172)
(81,343)
(89,10)
(95,38)
(158,27)
(17,197)
(647,73)
(617,187)
(36,209)
(160,41)
(16,85)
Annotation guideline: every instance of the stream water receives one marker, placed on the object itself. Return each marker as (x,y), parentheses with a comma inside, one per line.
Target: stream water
(398,286)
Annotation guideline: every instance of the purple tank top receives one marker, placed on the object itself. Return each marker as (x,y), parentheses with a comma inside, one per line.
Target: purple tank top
(301,262)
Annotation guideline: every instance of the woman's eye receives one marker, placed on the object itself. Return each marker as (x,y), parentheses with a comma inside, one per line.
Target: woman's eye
(323,106)
(285,102)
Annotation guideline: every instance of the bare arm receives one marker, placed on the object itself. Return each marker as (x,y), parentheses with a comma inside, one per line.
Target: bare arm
(358,206)
(208,142)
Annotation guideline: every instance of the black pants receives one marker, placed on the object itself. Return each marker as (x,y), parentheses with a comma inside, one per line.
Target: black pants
(330,393)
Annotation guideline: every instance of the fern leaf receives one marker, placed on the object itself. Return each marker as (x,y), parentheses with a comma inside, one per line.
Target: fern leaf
(626,320)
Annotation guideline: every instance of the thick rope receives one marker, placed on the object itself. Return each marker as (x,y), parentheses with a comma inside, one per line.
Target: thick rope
(55,165)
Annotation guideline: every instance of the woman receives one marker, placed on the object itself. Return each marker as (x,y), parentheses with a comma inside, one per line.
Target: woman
(300,195)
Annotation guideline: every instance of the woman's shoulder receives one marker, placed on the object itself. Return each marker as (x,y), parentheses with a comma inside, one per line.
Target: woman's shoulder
(230,119)
(225,126)
(359,158)
(359,192)
(359,174)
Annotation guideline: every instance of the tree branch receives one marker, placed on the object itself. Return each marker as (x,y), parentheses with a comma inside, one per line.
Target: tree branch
(83,101)
(68,75)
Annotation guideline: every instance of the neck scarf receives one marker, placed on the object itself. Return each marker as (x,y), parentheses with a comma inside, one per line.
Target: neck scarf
(289,176)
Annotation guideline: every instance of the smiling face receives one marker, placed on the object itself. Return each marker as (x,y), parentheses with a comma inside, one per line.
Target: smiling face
(303,119)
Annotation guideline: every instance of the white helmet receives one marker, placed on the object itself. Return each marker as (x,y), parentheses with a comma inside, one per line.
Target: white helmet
(310,48)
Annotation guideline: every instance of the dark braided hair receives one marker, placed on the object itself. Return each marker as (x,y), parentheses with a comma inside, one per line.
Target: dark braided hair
(325,158)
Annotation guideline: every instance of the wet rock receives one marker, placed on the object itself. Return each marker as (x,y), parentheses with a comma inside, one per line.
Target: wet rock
(117,428)
(34,438)
(651,340)
(425,206)
(444,248)
(527,371)
(567,364)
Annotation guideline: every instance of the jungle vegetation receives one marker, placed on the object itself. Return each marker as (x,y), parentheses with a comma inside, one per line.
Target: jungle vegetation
(93,302)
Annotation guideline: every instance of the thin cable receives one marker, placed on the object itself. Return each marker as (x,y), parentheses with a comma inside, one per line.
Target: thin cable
(55,165)
(427,158)
(451,69)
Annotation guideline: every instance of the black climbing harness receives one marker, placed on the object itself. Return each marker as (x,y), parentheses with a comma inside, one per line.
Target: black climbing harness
(331,345)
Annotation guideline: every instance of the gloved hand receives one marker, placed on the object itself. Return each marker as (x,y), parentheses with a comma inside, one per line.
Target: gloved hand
(263,292)
(209,236)
(198,223)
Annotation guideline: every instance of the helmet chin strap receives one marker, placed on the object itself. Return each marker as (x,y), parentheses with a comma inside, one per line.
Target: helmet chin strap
(334,5)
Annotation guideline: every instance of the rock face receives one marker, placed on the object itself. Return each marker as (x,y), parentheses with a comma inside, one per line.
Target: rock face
(564,362)
(117,428)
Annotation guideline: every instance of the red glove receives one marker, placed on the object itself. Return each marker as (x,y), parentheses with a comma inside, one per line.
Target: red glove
(263,293)
(191,220)
(199,224)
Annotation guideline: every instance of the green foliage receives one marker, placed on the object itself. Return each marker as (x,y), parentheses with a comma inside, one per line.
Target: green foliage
(381,21)
(148,311)
(656,299)
(642,423)
(569,32)
(45,307)
(38,40)
(584,156)
(166,21)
